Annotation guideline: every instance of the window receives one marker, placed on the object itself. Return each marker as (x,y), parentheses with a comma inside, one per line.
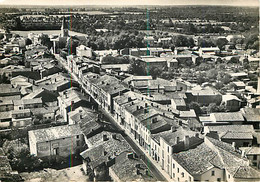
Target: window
(168,149)
(178,170)
(219,179)
(212,173)
(173,175)
(178,179)
(255,157)
(78,143)
(173,165)
(189,178)
(182,174)
(77,136)
(229,176)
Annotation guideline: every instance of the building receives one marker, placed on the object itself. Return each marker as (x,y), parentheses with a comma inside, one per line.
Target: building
(172,141)
(231,102)
(204,96)
(128,161)
(64,28)
(223,118)
(56,141)
(27,103)
(208,50)
(212,161)
(237,135)
(252,116)
(253,154)
(102,149)
(71,99)
(84,51)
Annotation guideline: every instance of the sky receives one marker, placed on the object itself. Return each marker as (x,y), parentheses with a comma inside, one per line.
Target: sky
(131,2)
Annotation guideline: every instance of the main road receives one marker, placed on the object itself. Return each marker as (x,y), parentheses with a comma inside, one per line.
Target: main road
(156,173)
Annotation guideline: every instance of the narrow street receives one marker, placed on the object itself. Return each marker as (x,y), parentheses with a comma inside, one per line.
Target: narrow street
(109,119)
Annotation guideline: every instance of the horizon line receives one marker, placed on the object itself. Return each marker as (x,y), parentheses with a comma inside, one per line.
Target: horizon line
(131,5)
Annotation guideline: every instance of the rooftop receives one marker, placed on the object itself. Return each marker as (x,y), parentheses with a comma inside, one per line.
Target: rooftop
(126,169)
(251,114)
(54,133)
(227,117)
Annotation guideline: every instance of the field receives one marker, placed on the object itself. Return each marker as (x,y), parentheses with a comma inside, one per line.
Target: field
(48,32)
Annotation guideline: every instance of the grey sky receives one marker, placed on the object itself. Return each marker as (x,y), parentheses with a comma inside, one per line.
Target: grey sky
(131,2)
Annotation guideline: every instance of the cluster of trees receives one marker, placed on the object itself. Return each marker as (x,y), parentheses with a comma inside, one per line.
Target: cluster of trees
(211,108)
(183,41)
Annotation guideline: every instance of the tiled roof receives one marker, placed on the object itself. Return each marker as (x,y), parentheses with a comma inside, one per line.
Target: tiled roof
(171,137)
(178,101)
(197,161)
(100,150)
(233,128)
(247,172)
(188,114)
(54,133)
(126,169)
(228,116)
(27,101)
(238,135)
(251,114)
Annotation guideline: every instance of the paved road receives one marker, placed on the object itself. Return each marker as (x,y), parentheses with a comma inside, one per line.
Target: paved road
(136,148)
(156,173)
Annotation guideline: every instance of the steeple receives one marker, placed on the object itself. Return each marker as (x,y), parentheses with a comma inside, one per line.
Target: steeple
(64,28)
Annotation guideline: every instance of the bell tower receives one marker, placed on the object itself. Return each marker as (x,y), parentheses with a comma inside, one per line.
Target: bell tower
(64,28)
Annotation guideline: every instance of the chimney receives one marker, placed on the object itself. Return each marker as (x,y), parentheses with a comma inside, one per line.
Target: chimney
(105,138)
(138,172)
(114,136)
(147,172)
(177,140)
(186,142)
(243,154)
(80,116)
(105,153)
(233,144)
(130,156)
(180,122)
(173,128)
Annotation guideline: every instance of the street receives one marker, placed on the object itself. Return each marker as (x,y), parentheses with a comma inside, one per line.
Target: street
(108,118)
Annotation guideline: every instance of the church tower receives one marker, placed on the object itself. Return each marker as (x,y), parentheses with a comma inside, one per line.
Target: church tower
(64,28)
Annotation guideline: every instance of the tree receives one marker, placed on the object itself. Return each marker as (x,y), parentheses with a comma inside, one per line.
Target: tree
(28,41)
(136,68)
(72,45)
(181,41)
(221,43)
(45,40)
(155,72)
(196,107)
(212,108)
